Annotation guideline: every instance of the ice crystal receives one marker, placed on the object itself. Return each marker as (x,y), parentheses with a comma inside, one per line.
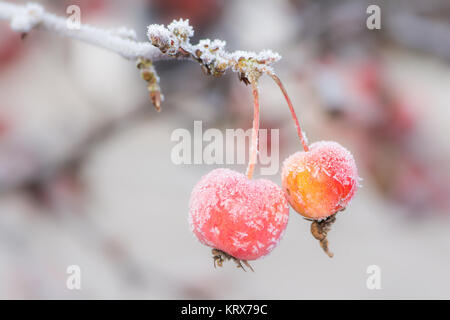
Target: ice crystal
(27,19)
(174,40)
(241,217)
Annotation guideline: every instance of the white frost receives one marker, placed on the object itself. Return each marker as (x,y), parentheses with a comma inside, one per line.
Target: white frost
(27,19)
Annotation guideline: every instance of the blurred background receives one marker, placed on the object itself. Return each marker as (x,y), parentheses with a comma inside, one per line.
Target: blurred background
(86,176)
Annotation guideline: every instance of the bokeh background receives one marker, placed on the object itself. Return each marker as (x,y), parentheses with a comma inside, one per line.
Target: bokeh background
(86,176)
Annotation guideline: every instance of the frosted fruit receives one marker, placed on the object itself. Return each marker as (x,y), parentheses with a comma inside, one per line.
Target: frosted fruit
(320,182)
(241,217)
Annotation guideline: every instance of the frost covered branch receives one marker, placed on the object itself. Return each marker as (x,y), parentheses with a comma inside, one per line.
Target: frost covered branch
(168,42)
(174,40)
(121,41)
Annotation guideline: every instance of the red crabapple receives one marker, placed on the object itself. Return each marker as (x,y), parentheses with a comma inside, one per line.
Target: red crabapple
(235,215)
(320,182)
(240,218)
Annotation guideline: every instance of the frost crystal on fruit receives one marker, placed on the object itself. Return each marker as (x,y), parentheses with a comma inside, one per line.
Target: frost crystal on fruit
(243,218)
(320,182)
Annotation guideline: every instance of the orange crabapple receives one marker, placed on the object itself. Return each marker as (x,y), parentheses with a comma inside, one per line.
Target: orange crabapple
(319,181)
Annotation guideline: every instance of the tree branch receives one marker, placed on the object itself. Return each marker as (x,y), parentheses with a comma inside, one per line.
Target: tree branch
(25,18)
(165,42)
(168,42)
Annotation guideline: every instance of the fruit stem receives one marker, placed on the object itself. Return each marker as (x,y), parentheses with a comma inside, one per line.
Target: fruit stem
(291,107)
(255,131)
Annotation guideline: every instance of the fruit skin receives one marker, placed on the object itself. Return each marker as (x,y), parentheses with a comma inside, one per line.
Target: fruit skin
(320,182)
(242,217)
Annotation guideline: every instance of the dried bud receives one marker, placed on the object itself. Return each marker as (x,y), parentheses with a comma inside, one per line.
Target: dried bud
(160,37)
(156,98)
(181,29)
